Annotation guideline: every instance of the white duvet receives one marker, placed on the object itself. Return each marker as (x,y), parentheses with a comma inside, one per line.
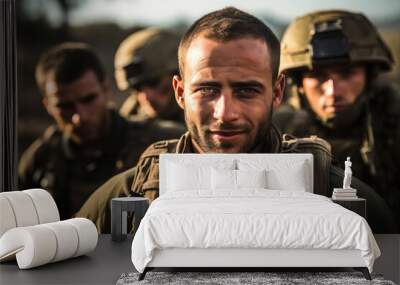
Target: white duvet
(253,218)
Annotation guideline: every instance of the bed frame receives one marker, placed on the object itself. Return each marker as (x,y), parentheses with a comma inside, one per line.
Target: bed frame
(250,258)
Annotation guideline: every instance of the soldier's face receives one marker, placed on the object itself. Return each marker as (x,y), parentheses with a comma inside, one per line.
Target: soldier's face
(156,98)
(227,93)
(80,107)
(332,91)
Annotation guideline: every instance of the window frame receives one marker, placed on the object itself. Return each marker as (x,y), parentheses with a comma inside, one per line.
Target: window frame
(8,97)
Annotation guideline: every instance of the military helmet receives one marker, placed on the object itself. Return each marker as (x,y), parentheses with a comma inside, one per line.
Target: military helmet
(331,37)
(145,55)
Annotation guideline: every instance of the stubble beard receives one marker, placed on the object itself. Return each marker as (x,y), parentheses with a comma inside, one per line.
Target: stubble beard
(97,135)
(202,137)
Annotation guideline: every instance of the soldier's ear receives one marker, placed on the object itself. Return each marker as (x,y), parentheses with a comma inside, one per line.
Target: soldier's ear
(278,91)
(46,104)
(177,84)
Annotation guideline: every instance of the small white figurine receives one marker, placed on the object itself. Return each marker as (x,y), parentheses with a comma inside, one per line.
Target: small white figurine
(347,174)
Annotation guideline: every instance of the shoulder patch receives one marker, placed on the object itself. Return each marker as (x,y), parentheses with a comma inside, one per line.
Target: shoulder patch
(159,147)
(293,144)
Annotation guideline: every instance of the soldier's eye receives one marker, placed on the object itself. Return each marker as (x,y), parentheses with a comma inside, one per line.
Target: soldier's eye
(88,99)
(321,78)
(246,92)
(65,105)
(318,76)
(347,72)
(208,91)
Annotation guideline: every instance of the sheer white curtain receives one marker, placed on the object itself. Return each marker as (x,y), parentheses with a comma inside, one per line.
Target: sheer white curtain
(8,96)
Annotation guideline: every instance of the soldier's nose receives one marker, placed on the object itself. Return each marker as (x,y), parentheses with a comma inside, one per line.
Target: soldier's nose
(76,119)
(225,109)
(82,113)
(329,87)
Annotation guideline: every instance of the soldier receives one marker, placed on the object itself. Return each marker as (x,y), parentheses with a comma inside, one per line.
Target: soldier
(228,87)
(90,142)
(144,64)
(333,59)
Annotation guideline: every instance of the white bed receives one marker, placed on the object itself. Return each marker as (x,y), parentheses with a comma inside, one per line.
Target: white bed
(267,218)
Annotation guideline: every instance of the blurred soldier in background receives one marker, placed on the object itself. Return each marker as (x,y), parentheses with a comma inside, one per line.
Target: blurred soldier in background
(144,64)
(90,142)
(333,59)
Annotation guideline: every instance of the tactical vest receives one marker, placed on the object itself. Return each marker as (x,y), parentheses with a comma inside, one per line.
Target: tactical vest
(146,182)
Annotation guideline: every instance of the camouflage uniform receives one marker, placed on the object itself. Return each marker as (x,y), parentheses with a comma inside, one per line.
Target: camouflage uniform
(371,141)
(371,133)
(143,180)
(71,173)
(146,56)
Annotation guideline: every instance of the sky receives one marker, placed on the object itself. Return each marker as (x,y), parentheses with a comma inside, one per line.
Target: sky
(168,12)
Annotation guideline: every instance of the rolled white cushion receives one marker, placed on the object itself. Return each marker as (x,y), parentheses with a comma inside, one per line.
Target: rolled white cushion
(33,246)
(26,208)
(87,235)
(45,205)
(67,240)
(41,244)
(7,218)
(23,208)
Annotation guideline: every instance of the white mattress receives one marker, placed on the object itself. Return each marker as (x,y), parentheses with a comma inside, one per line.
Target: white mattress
(253,218)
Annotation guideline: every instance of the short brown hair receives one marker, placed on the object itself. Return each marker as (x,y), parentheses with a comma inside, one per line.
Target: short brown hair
(67,62)
(229,24)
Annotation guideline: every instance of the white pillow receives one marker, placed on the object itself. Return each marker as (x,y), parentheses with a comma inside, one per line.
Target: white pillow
(251,178)
(183,177)
(188,173)
(281,174)
(235,179)
(292,178)
(223,179)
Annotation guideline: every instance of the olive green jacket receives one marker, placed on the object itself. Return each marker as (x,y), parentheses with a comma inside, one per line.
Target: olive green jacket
(143,180)
(71,173)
